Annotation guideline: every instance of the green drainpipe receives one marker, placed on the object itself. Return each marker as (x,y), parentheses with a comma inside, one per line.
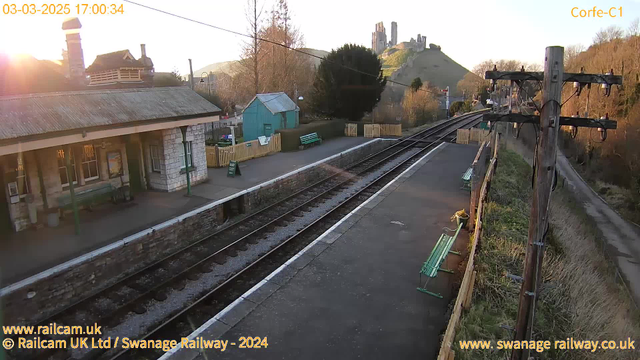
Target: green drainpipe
(186,158)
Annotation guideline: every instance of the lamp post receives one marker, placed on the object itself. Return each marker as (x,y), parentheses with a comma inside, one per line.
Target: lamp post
(208,83)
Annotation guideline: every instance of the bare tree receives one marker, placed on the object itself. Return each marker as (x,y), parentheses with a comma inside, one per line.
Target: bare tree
(571,52)
(613,32)
(283,68)
(634,28)
(251,50)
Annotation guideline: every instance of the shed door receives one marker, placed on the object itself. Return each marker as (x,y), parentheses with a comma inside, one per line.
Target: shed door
(268,130)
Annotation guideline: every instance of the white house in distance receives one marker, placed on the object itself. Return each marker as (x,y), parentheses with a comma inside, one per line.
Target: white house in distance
(113,138)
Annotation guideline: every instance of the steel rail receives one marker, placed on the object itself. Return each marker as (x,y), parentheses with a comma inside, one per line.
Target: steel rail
(157,288)
(294,236)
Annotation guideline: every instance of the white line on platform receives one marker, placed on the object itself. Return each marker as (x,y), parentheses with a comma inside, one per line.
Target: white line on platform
(120,243)
(229,307)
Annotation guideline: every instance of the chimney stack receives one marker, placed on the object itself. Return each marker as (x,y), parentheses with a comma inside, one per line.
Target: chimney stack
(143,50)
(75,55)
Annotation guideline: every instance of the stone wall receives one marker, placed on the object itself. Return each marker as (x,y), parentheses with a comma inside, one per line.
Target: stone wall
(171,176)
(35,298)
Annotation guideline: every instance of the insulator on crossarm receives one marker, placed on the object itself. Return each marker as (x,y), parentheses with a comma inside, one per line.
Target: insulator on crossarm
(603,131)
(606,86)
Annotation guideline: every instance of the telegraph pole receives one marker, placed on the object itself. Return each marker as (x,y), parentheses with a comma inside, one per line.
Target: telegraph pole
(544,176)
(190,74)
(550,122)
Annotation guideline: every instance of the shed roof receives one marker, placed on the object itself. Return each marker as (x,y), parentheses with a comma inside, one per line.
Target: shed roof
(114,60)
(276,102)
(36,114)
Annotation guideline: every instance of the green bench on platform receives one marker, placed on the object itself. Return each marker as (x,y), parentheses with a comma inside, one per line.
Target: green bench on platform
(435,260)
(310,139)
(466,179)
(87,197)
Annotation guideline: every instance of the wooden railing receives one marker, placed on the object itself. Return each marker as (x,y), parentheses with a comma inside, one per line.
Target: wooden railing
(466,288)
(220,156)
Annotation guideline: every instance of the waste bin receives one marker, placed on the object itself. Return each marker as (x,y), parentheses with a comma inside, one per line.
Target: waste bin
(53,219)
(462,219)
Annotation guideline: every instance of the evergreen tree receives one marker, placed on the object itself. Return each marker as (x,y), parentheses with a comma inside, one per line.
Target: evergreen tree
(348,83)
(416,84)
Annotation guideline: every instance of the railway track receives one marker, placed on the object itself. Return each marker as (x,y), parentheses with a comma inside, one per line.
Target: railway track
(178,293)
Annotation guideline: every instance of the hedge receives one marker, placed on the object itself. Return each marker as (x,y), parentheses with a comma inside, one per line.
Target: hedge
(325,129)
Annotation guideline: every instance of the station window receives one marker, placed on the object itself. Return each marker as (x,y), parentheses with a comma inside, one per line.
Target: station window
(156,158)
(89,163)
(62,169)
(189,155)
(16,176)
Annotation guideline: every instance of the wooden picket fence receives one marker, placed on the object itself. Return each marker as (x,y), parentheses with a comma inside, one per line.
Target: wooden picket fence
(378,130)
(465,294)
(220,156)
(371,130)
(351,130)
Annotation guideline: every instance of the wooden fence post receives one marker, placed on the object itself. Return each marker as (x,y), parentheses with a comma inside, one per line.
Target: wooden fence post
(467,301)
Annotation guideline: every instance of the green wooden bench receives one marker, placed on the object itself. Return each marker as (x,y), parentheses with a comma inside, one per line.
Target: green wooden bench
(435,260)
(466,179)
(310,139)
(87,197)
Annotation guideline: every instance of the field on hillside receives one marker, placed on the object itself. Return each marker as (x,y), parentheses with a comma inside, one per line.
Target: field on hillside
(430,65)
(392,62)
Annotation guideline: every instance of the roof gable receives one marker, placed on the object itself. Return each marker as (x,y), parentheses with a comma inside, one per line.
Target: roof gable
(275,102)
(114,60)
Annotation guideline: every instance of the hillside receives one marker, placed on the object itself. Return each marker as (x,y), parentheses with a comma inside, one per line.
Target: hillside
(316,52)
(429,65)
(227,67)
(613,165)
(231,67)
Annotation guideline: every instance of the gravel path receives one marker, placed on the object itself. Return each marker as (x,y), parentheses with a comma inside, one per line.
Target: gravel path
(622,236)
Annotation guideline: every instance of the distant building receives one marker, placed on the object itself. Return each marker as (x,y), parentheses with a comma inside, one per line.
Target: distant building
(379,39)
(121,69)
(114,138)
(394,34)
(267,113)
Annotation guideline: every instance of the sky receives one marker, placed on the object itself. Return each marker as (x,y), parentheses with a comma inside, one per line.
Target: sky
(468,31)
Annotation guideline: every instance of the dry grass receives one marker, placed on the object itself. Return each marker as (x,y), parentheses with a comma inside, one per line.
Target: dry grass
(599,306)
(580,298)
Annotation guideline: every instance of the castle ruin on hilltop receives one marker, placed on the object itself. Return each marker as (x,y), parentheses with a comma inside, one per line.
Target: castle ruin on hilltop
(379,39)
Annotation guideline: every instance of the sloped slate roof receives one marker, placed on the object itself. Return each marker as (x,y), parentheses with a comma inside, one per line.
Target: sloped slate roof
(114,60)
(276,102)
(36,114)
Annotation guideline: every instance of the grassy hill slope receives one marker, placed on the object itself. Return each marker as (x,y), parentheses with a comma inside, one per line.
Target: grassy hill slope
(429,65)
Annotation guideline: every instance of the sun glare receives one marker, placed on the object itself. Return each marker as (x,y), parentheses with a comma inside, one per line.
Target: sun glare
(36,38)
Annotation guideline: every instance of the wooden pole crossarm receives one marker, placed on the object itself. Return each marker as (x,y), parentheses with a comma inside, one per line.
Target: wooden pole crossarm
(568,77)
(564,120)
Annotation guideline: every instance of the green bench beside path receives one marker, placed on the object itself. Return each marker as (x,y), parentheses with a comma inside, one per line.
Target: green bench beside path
(87,197)
(466,179)
(310,139)
(435,260)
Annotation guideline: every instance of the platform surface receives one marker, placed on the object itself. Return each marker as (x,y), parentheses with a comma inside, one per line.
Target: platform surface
(353,294)
(28,252)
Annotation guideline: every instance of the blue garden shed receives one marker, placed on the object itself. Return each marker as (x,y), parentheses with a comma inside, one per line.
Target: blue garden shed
(267,113)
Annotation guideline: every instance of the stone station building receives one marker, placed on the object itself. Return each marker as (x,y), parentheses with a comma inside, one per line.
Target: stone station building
(115,139)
